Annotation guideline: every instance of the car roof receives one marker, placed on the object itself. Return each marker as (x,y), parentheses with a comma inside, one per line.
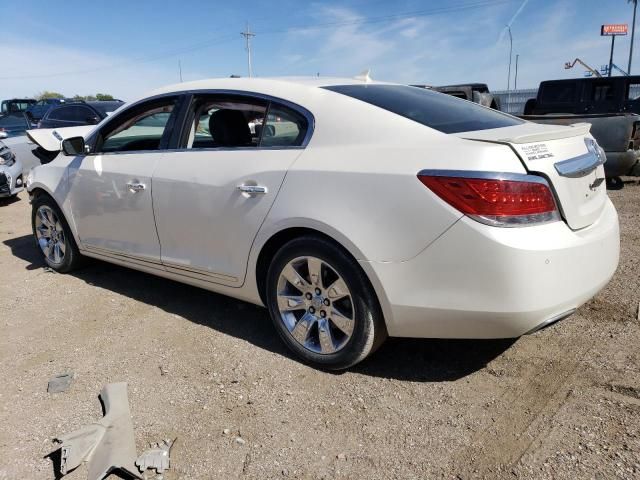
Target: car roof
(276,86)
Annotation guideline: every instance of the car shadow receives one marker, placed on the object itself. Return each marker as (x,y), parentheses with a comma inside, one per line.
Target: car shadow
(403,359)
(5,201)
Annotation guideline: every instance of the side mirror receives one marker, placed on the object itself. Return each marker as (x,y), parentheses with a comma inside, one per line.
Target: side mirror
(3,134)
(93,120)
(73,146)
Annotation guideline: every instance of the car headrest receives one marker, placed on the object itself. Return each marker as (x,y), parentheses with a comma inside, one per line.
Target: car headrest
(229,128)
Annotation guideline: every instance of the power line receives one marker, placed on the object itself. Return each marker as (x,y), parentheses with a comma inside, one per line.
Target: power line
(187,49)
(229,37)
(387,18)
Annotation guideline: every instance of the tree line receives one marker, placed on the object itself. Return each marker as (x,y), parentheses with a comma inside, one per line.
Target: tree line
(98,96)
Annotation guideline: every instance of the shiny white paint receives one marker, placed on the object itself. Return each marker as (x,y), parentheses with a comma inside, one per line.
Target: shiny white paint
(435,272)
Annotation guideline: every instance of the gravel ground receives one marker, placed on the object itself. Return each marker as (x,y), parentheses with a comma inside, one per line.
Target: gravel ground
(209,370)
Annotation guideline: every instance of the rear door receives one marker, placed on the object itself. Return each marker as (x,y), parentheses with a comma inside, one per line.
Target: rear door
(568,157)
(211,195)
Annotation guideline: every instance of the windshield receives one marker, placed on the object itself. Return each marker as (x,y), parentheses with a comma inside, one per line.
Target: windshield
(435,110)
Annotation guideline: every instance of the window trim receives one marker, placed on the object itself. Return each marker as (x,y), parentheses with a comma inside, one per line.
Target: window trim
(184,99)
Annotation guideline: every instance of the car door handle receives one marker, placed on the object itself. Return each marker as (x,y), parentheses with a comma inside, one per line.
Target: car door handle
(253,189)
(136,187)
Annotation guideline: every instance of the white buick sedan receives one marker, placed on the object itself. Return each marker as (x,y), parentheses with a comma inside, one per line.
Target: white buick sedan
(351,209)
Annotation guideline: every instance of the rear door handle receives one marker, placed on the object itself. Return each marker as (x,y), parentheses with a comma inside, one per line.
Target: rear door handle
(136,187)
(253,189)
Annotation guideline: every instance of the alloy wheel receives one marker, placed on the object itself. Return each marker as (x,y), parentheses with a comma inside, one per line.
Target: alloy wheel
(315,305)
(50,234)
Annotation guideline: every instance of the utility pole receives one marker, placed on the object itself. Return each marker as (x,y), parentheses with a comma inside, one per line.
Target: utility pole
(247,36)
(515,82)
(180,70)
(633,33)
(613,42)
(509,74)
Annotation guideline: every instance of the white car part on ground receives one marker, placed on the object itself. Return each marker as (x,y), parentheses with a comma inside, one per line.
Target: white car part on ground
(107,444)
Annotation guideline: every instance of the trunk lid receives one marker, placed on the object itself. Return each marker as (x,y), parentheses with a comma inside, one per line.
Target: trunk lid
(51,138)
(561,154)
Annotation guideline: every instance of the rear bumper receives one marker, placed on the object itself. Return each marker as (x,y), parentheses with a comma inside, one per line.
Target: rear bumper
(477,281)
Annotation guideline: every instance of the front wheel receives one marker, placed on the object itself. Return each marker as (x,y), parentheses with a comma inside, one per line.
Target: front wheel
(53,235)
(322,305)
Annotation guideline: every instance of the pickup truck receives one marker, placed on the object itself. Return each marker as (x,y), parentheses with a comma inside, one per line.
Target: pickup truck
(474,92)
(610,104)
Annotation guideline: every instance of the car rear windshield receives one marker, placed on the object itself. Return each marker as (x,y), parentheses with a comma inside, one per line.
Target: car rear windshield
(106,107)
(435,110)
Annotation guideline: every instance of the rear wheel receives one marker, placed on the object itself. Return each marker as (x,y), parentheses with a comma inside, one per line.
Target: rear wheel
(53,235)
(322,304)
(614,183)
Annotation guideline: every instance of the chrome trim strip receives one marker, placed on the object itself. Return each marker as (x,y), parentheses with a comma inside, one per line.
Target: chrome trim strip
(199,271)
(579,166)
(518,177)
(116,253)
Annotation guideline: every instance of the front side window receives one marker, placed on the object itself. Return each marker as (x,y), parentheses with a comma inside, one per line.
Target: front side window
(141,129)
(633,91)
(441,112)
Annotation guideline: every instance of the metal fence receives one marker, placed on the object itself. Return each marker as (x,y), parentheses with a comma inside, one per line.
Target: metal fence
(514,103)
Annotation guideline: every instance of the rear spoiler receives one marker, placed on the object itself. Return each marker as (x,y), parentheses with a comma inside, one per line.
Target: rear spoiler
(50,139)
(562,131)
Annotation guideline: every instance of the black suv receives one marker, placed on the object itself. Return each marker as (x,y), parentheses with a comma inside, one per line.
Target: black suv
(73,114)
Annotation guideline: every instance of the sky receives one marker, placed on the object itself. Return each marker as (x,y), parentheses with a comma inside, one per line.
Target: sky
(127,48)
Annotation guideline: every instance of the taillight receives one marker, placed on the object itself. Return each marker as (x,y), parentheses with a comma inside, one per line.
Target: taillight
(499,199)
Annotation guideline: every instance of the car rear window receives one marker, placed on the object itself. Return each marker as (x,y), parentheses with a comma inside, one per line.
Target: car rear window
(106,107)
(435,110)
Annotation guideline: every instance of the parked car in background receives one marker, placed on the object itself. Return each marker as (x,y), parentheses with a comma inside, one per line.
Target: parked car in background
(71,114)
(11,174)
(440,219)
(39,109)
(608,104)
(474,92)
(14,124)
(16,105)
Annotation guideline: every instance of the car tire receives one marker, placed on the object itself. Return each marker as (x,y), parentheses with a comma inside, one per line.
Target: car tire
(52,235)
(614,183)
(331,319)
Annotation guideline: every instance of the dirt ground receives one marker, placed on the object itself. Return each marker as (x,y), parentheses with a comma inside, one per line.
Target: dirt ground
(563,403)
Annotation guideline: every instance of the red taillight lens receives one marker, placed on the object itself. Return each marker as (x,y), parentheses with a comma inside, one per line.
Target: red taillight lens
(496,201)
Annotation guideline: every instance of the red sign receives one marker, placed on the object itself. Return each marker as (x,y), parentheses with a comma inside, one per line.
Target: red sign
(614,29)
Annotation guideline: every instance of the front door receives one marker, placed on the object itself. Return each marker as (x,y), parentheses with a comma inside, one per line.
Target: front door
(211,196)
(110,188)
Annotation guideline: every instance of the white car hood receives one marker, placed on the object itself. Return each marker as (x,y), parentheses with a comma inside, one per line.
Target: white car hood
(51,138)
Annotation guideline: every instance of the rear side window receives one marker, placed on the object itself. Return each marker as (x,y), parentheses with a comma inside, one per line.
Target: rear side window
(435,110)
(602,92)
(563,92)
(62,113)
(283,128)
